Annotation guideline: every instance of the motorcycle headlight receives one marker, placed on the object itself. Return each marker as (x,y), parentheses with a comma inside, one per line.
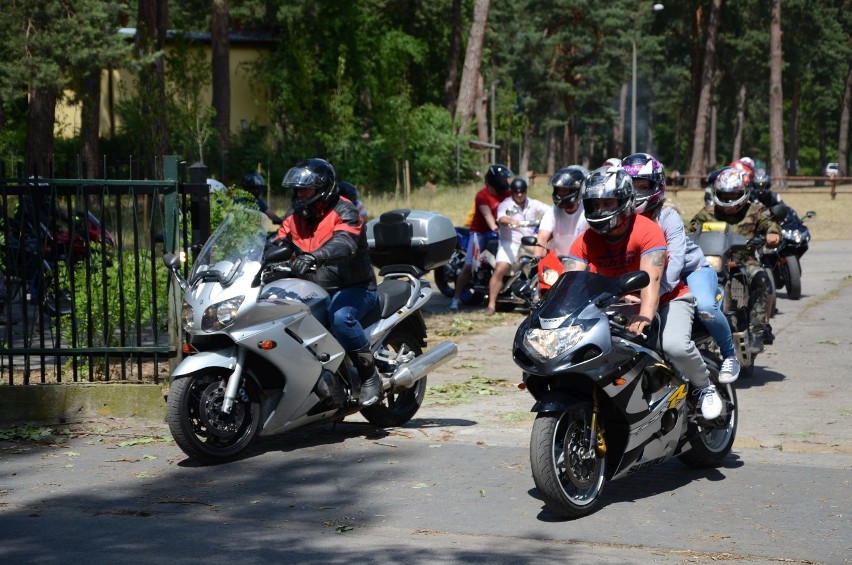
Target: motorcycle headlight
(794,235)
(221,315)
(715,262)
(187,317)
(549,344)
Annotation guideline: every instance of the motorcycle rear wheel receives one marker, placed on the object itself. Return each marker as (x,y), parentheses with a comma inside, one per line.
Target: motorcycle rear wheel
(569,485)
(793,277)
(198,426)
(397,408)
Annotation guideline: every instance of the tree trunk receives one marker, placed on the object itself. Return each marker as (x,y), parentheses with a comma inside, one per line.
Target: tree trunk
(793,151)
(525,153)
(843,141)
(151,26)
(696,166)
(776,98)
(90,123)
(453,59)
(472,60)
(481,108)
(714,122)
(221,67)
(41,114)
(738,134)
(550,144)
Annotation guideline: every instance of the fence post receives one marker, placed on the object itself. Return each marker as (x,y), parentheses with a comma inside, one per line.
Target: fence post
(170,242)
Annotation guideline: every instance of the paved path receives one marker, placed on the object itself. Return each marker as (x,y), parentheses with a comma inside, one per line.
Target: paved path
(454,485)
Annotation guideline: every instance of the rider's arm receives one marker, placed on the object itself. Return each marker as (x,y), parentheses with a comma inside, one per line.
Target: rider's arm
(485,210)
(652,263)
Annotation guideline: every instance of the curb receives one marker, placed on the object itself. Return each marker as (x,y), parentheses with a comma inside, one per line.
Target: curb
(50,402)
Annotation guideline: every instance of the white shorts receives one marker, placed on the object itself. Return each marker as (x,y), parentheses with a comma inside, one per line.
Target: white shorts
(507,251)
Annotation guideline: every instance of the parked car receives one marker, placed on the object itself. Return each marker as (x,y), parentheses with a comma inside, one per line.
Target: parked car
(832,170)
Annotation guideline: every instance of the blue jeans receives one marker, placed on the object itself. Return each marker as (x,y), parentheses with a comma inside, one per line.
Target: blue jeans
(703,283)
(347,308)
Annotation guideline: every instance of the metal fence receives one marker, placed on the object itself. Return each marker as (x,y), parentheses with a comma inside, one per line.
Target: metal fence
(84,295)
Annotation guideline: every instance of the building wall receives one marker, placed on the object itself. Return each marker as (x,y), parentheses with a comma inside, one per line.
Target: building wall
(248,103)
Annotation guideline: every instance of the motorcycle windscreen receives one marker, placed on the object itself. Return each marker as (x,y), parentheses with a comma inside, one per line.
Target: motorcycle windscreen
(573,291)
(240,239)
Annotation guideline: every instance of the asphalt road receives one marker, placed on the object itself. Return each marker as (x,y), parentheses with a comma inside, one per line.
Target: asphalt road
(454,486)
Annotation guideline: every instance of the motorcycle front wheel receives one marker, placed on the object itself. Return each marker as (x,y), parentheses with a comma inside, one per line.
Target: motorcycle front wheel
(712,444)
(793,277)
(568,480)
(200,429)
(397,408)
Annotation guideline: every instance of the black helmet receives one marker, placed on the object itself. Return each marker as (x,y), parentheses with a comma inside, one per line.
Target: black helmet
(762,181)
(253,182)
(317,174)
(348,191)
(518,185)
(604,183)
(498,177)
(570,177)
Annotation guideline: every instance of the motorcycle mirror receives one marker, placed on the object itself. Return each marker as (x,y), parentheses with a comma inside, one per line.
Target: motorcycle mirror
(529,240)
(277,254)
(171,261)
(779,212)
(633,281)
(810,214)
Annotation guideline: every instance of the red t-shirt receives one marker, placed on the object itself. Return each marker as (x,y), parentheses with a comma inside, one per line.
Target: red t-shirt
(614,258)
(484,196)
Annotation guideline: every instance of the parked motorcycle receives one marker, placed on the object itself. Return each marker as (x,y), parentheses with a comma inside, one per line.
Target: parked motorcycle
(520,286)
(785,260)
(608,403)
(719,243)
(260,359)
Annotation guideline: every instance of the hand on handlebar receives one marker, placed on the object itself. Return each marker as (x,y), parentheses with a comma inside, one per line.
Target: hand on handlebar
(637,324)
(304,263)
(772,239)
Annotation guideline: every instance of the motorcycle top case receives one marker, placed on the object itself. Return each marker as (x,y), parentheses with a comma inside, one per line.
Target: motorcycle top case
(411,237)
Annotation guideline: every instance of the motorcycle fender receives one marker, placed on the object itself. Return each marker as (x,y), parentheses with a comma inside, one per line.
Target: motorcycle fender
(226,359)
(556,402)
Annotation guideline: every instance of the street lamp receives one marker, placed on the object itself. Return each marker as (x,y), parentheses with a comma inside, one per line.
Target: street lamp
(657,8)
(494,84)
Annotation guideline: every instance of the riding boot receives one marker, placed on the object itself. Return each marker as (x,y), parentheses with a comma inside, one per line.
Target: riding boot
(371,382)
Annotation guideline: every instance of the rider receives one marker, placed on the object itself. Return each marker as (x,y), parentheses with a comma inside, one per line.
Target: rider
(763,190)
(685,259)
(563,222)
(621,241)
(330,232)
(348,191)
(517,216)
(731,204)
(254,184)
(484,223)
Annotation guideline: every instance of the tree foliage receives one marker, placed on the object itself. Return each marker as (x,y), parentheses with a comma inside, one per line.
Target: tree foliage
(364,83)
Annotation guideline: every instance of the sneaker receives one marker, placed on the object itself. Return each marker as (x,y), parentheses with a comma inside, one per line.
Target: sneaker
(709,402)
(730,370)
(454,304)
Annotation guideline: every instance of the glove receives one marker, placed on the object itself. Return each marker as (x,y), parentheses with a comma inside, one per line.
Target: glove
(304,263)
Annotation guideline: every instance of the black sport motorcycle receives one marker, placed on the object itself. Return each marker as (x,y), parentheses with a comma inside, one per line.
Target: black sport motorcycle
(608,402)
(785,261)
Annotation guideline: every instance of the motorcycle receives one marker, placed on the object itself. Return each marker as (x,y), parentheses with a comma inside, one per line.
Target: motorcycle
(520,286)
(785,261)
(260,359)
(607,402)
(719,243)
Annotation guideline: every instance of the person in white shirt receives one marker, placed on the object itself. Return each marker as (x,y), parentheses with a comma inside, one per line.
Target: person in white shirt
(517,216)
(565,220)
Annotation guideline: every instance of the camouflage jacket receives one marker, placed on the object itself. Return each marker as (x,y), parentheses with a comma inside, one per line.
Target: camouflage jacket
(749,222)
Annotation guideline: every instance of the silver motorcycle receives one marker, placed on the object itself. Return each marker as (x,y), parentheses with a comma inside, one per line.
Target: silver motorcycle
(259,357)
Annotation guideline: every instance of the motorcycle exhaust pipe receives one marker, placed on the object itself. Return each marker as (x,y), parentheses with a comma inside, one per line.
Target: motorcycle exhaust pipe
(408,374)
